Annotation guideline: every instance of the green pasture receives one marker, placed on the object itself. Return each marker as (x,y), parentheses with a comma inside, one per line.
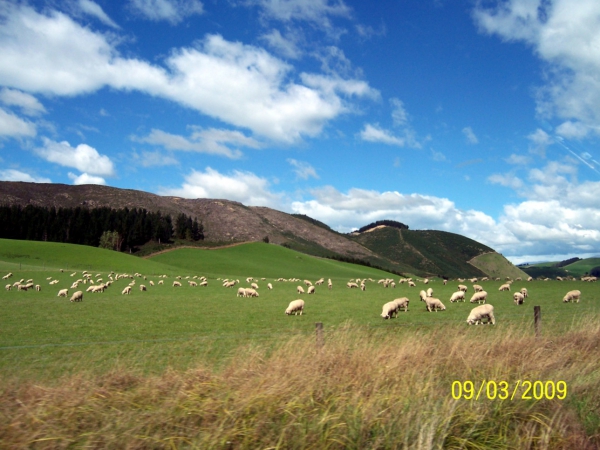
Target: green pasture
(43,336)
(582,267)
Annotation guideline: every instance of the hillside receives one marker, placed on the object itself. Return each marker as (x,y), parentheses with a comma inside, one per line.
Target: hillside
(424,253)
(496,265)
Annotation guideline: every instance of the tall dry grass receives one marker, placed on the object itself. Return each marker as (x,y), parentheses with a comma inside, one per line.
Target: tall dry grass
(362,390)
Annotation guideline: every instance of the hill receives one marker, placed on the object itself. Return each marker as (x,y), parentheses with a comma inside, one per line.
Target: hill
(396,249)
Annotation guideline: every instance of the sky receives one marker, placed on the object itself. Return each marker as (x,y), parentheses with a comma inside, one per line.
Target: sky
(478,117)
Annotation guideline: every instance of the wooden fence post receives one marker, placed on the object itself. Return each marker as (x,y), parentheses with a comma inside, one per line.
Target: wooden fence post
(537,320)
(319,331)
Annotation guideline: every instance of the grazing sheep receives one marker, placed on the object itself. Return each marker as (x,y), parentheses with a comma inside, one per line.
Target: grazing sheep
(481,312)
(445,282)
(294,307)
(462,287)
(21,287)
(204,283)
(422,295)
(311,290)
(126,291)
(411,284)
(7,276)
(300,290)
(477,288)
(142,287)
(63,293)
(38,287)
(504,287)
(308,283)
(390,309)
(429,292)
(479,297)
(530,279)
(8,287)
(518,298)
(151,283)
(254,286)
(426,281)
(572,296)
(457,296)
(161,282)
(241,292)
(319,282)
(176,284)
(433,304)
(251,292)
(329,284)
(77,296)
(524,292)
(363,287)
(352,285)
(269,286)
(98,288)
(192,283)
(402,303)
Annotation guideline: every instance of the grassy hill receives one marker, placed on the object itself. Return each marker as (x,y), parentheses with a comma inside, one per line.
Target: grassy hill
(496,265)
(582,267)
(549,269)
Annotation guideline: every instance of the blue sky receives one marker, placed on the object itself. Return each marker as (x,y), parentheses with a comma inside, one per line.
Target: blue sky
(475,117)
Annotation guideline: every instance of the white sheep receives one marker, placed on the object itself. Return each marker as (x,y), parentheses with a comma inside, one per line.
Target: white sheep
(329,284)
(311,290)
(192,283)
(204,283)
(294,307)
(77,296)
(142,287)
(269,286)
(254,286)
(176,284)
(241,292)
(300,290)
(429,292)
(462,287)
(433,304)
(7,276)
(363,287)
(479,297)
(308,283)
(319,282)
(63,293)
(161,282)
(518,298)
(402,303)
(390,309)
(504,287)
(8,287)
(425,281)
(524,292)
(477,288)
(422,295)
(530,279)
(352,285)
(151,283)
(38,287)
(411,284)
(457,296)
(572,296)
(251,292)
(445,282)
(126,291)
(481,312)
(98,288)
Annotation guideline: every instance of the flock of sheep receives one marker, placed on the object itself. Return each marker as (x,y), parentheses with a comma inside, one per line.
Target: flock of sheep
(390,309)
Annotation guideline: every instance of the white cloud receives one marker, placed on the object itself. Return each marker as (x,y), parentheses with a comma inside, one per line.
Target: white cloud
(399,114)
(302,169)
(470,135)
(242,85)
(244,187)
(83,157)
(316,11)
(286,46)
(508,180)
(85,178)
(28,103)
(152,159)
(211,141)
(95,10)
(374,133)
(567,37)
(572,130)
(13,126)
(17,175)
(518,159)
(540,140)
(173,11)
(438,156)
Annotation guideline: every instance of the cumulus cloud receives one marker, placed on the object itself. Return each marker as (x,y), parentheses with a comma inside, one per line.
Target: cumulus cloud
(83,157)
(286,46)
(318,12)
(28,103)
(508,180)
(172,11)
(93,9)
(242,85)
(85,178)
(518,159)
(212,141)
(540,140)
(18,175)
(13,126)
(303,170)
(241,186)
(399,113)
(565,37)
(470,135)
(374,133)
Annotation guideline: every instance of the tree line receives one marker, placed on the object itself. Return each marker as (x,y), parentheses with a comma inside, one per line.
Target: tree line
(119,229)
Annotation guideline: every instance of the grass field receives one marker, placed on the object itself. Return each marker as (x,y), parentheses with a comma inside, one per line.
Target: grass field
(137,343)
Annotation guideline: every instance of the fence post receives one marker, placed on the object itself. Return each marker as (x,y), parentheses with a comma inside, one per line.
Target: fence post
(537,320)
(319,331)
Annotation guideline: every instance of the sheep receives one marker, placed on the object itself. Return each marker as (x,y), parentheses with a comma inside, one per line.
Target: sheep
(572,296)
(504,287)
(477,288)
(269,286)
(204,284)
(176,284)
(481,312)
(524,292)
(151,283)
(8,287)
(422,295)
(411,284)
(389,310)
(249,279)
(425,281)
(319,282)
(433,304)
(363,287)
(227,284)
(457,296)
(38,288)
(241,292)
(161,282)
(142,287)
(530,279)
(126,291)
(77,296)
(518,298)
(462,287)
(90,289)
(402,303)
(479,297)
(192,283)
(300,290)
(352,285)
(294,307)
(63,293)
(98,288)
(308,283)
(445,282)
(429,292)
(329,284)
(53,282)
(251,292)
(21,287)
(254,286)
(7,276)
(311,290)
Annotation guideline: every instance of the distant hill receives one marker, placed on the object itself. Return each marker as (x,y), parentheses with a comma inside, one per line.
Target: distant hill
(386,244)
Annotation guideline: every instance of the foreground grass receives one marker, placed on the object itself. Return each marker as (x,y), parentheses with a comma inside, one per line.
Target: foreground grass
(361,389)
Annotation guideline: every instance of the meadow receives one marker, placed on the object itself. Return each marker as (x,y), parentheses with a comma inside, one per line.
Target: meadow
(232,372)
